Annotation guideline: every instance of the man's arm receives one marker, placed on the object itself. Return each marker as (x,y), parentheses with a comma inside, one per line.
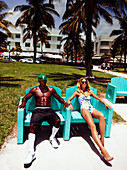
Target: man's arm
(59,98)
(26,97)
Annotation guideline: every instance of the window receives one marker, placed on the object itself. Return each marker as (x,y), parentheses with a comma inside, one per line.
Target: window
(17,36)
(47,46)
(104,51)
(27,44)
(96,46)
(58,46)
(48,37)
(38,45)
(58,38)
(17,44)
(104,42)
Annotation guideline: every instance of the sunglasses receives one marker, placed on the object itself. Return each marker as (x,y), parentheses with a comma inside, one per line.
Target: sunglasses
(83,82)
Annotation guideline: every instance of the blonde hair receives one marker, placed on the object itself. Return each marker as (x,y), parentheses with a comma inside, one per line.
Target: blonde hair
(79,87)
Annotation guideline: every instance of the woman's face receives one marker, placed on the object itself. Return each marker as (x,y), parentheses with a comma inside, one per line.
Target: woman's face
(83,83)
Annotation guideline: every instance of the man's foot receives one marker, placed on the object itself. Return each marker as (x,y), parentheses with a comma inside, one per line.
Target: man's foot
(54,142)
(29,159)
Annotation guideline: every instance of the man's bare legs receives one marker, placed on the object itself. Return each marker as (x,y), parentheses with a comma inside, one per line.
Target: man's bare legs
(88,117)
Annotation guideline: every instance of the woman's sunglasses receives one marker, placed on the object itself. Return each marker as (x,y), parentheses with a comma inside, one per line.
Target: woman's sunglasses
(83,82)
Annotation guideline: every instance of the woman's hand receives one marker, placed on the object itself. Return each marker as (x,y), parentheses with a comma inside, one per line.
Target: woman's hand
(107,106)
(71,107)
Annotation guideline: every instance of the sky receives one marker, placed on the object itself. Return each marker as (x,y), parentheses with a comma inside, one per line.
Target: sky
(102,29)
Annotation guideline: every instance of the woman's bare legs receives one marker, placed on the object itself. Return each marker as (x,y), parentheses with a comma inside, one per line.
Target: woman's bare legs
(97,114)
(88,117)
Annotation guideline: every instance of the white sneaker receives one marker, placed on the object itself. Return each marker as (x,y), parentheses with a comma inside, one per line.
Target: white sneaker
(30,157)
(54,143)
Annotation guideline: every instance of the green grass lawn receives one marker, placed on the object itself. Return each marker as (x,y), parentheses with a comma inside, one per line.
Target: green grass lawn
(16,77)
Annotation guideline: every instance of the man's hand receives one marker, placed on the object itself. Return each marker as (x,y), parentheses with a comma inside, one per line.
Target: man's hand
(65,104)
(22,106)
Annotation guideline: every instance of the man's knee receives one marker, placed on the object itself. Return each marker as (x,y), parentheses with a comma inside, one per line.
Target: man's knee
(33,128)
(57,123)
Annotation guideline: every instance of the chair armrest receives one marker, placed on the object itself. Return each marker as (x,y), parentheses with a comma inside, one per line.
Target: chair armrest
(108,113)
(20,123)
(66,133)
(111,92)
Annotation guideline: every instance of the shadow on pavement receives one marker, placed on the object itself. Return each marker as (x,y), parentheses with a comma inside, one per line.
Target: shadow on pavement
(77,130)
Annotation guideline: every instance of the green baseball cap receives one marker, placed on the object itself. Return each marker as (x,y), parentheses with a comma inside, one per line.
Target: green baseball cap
(42,77)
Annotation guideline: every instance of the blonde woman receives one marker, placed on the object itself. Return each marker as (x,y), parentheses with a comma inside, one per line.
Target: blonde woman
(88,112)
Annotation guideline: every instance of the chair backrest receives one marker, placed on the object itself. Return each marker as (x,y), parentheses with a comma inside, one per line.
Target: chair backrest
(120,83)
(55,104)
(74,101)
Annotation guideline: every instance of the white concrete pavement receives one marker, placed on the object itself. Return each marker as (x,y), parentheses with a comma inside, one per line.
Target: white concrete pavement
(96,68)
(80,152)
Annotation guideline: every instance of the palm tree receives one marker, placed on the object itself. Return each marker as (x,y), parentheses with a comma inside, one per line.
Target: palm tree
(88,14)
(121,40)
(34,16)
(4,24)
(73,25)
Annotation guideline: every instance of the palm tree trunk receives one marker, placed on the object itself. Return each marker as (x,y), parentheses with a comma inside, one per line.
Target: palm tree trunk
(88,57)
(125,53)
(34,43)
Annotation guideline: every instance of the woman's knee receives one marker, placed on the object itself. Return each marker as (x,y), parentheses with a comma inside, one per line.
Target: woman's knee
(102,117)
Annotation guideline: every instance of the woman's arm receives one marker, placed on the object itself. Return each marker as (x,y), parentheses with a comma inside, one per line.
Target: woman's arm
(69,100)
(102,101)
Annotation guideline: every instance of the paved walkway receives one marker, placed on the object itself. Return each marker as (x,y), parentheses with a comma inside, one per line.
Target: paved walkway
(96,68)
(120,108)
(80,152)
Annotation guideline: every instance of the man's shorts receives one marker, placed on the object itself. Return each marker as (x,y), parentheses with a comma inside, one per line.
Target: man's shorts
(40,115)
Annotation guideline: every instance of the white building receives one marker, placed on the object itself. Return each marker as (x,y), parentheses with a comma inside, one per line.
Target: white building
(54,38)
(102,45)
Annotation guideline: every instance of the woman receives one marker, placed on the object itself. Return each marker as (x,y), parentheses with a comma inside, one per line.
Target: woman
(83,93)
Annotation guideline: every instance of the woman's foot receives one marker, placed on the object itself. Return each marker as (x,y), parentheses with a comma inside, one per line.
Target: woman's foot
(106,156)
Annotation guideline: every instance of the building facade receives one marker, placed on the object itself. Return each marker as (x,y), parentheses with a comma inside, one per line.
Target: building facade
(102,45)
(54,38)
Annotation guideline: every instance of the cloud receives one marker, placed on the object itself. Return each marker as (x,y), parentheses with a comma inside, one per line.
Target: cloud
(105,29)
(13,17)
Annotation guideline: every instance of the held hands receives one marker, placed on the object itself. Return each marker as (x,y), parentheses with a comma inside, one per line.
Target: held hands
(65,104)
(22,106)
(70,106)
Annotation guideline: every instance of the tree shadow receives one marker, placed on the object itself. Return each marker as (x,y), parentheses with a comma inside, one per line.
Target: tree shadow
(9,85)
(9,79)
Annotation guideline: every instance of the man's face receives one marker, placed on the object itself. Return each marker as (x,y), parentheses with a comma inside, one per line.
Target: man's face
(43,82)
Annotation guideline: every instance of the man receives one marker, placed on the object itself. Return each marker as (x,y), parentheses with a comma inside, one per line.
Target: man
(42,94)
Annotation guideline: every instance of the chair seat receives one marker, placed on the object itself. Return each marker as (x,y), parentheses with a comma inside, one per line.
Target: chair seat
(76,117)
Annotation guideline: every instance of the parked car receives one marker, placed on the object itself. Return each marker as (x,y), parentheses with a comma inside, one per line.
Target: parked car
(29,60)
(24,60)
(39,60)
